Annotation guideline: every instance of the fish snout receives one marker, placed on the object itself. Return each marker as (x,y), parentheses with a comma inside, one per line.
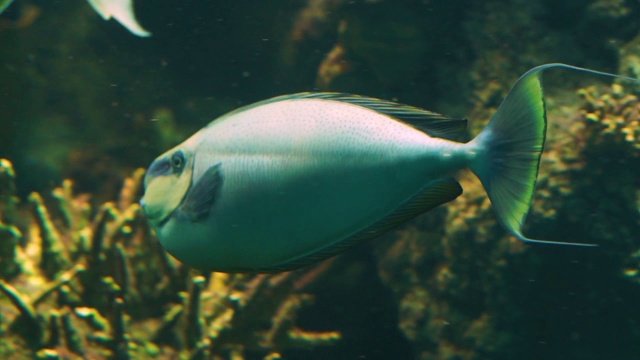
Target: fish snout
(148,212)
(145,207)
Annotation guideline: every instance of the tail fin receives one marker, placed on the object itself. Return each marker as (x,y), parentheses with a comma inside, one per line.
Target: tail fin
(509,150)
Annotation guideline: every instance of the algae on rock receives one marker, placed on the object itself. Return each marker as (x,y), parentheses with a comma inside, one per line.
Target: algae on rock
(467,287)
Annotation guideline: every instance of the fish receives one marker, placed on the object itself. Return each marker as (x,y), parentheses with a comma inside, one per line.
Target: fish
(293,180)
(121,10)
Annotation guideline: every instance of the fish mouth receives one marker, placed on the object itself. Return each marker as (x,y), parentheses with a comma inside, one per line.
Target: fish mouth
(154,217)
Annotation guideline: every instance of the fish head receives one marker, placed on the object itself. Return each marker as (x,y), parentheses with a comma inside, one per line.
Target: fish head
(166,183)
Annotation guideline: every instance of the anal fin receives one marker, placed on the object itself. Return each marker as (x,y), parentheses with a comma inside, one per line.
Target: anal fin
(435,193)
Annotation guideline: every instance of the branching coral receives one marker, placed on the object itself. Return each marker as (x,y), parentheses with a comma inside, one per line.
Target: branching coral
(9,233)
(78,285)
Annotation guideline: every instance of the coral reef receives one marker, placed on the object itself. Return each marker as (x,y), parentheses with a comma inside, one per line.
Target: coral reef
(601,140)
(87,101)
(378,48)
(357,44)
(466,289)
(612,120)
(9,233)
(85,285)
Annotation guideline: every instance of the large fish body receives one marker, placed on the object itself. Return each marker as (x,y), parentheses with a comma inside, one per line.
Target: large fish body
(292,180)
(300,174)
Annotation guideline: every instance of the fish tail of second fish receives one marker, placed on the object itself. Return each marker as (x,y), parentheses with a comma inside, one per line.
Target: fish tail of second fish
(508,150)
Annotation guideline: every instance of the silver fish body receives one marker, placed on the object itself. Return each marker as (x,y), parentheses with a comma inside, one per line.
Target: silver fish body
(300,175)
(296,179)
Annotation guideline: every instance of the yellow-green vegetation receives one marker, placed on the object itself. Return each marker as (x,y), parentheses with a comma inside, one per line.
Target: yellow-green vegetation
(9,234)
(84,283)
(612,118)
(592,167)
(466,289)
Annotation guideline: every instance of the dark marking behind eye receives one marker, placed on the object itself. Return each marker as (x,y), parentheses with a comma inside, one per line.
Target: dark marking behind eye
(159,167)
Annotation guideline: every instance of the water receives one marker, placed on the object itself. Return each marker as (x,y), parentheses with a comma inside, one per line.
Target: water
(84,99)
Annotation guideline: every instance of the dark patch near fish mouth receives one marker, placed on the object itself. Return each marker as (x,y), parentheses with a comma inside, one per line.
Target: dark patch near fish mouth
(150,218)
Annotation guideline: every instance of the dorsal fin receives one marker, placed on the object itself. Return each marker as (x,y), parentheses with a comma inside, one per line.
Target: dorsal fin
(434,194)
(431,123)
(434,124)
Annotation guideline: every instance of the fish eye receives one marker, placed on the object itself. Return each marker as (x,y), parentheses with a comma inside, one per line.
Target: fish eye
(177,161)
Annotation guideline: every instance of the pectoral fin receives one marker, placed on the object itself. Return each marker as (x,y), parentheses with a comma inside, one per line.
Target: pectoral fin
(202,196)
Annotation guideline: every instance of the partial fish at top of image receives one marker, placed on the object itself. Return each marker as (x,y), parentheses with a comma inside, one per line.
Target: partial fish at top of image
(120,10)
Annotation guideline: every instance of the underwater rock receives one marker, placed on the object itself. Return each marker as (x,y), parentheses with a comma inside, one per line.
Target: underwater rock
(96,284)
(629,60)
(465,289)
(600,147)
(386,49)
(372,50)
(612,119)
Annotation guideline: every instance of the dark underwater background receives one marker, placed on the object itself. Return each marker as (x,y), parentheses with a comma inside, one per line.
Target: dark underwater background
(84,105)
